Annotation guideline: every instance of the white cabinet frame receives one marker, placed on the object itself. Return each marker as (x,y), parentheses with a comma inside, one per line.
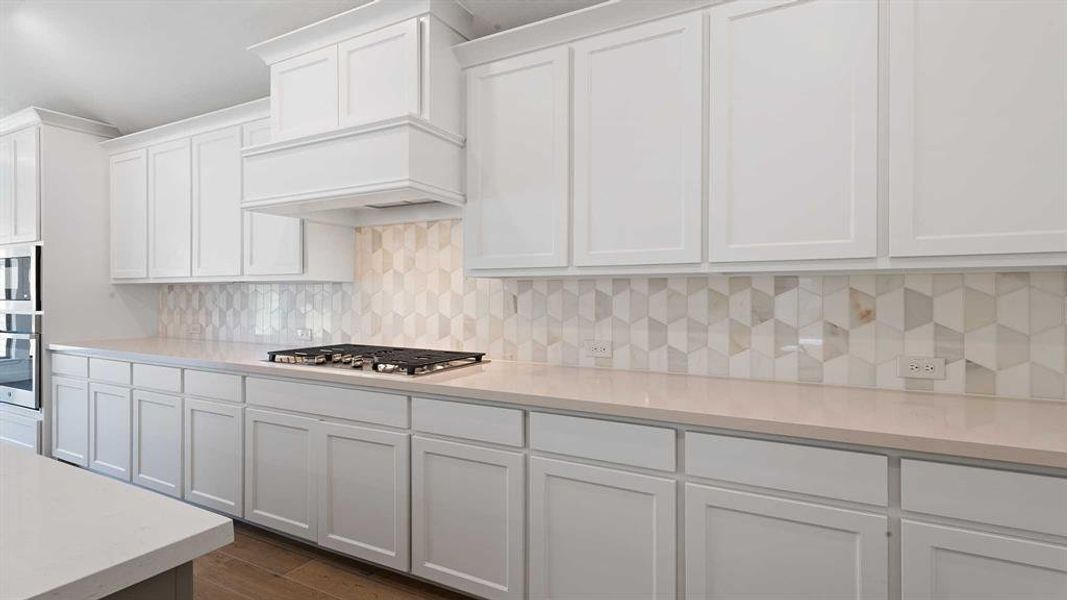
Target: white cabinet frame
(157,453)
(223,489)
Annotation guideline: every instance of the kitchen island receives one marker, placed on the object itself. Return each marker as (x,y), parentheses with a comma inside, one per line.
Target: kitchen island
(69,533)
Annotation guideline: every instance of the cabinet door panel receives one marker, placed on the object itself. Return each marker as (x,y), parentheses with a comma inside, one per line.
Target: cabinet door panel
(70,420)
(638,98)
(379,74)
(303,94)
(978,127)
(467,517)
(518,162)
(7,187)
(25,205)
(212,455)
(19,431)
(793,131)
(129,215)
(734,539)
(273,244)
(169,210)
(157,442)
(109,430)
(598,532)
(946,563)
(216,197)
(280,472)
(363,493)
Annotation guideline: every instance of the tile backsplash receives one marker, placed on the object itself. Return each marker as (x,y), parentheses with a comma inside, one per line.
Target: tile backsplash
(999,333)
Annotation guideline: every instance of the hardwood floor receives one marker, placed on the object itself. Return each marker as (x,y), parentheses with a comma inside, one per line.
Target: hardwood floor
(260,565)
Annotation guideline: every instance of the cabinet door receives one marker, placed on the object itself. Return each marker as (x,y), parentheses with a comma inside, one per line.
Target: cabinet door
(273,244)
(212,455)
(169,210)
(303,94)
(216,198)
(7,187)
(157,442)
(978,128)
(20,431)
(638,104)
(518,164)
(946,563)
(280,478)
(70,420)
(793,131)
(363,493)
(379,74)
(598,532)
(109,430)
(467,517)
(25,205)
(129,215)
(734,539)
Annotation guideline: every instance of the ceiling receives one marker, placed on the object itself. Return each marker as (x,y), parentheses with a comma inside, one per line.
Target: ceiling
(140,63)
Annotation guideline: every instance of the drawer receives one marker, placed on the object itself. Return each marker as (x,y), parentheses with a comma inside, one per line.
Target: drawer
(154,377)
(20,431)
(206,384)
(623,443)
(65,364)
(110,371)
(853,476)
(469,421)
(342,403)
(1019,500)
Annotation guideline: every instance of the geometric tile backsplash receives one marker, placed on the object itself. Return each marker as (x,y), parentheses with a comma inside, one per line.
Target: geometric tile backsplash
(1000,333)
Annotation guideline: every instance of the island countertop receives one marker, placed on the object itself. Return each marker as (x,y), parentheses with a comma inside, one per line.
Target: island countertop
(70,533)
(1028,432)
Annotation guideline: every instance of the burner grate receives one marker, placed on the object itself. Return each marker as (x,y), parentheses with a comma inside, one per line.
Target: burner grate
(383,359)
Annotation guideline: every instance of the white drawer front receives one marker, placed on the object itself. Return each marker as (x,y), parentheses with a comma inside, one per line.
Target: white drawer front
(110,371)
(853,476)
(20,431)
(65,364)
(221,386)
(469,421)
(154,377)
(343,403)
(623,443)
(1019,500)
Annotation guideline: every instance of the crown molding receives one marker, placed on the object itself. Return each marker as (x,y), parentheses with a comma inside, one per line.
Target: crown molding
(35,115)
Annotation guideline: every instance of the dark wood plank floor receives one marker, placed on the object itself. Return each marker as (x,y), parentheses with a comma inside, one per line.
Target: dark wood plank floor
(260,565)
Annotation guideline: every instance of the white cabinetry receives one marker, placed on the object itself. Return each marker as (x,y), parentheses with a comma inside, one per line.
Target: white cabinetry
(467,517)
(379,74)
(70,420)
(157,442)
(109,430)
(216,198)
(129,215)
(977,127)
(19,186)
(793,131)
(273,244)
(638,98)
(212,455)
(743,544)
(600,532)
(363,493)
(518,162)
(20,430)
(280,490)
(169,210)
(303,92)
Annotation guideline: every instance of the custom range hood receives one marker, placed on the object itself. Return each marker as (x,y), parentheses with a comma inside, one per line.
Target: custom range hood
(366,117)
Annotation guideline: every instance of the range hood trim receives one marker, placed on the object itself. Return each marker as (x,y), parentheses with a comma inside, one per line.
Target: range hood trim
(413,121)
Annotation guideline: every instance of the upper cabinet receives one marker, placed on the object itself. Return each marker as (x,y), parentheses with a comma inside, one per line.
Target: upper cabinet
(379,74)
(176,209)
(793,131)
(303,93)
(977,127)
(19,186)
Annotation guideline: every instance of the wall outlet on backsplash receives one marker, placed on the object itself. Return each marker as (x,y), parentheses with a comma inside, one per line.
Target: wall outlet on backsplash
(303,334)
(192,330)
(921,367)
(598,349)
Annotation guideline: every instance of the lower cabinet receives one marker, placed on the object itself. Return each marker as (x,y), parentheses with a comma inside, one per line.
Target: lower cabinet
(740,544)
(363,493)
(212,455)
(280,472)
(949,563)
(109,430)
(157,442)
(70,420)
(20,431)
(467,517)
(600,533)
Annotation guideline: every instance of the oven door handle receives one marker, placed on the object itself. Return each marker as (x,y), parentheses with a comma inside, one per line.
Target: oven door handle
(20,336)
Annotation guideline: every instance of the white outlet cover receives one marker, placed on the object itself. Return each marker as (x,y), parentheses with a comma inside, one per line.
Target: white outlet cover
(921,367)
(597,348)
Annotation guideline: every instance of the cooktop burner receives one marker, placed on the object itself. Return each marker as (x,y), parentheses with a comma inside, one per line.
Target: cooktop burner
(383,359)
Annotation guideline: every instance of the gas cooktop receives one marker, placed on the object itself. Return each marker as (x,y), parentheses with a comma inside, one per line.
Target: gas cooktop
(382,359)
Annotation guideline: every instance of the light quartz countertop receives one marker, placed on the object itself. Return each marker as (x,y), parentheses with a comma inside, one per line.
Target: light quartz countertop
(69,533)
(1029,432)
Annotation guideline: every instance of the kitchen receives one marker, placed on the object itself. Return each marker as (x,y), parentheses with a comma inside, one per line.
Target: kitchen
(547,299)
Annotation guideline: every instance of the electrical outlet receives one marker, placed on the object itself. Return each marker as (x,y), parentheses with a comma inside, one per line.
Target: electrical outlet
(303,334)
(921,367)
(192,330)
(597,348)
